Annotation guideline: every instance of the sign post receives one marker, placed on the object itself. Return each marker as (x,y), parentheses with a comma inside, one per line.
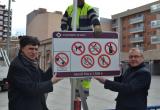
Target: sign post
(73,80)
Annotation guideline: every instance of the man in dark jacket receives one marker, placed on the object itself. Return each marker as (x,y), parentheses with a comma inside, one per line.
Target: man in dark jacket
(27,82)
(133,85)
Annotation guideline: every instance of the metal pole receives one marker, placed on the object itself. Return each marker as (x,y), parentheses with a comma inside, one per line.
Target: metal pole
(74,15)
(73,81)
(8,28)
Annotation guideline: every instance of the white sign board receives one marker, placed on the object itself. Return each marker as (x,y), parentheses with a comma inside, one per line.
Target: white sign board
(80,54)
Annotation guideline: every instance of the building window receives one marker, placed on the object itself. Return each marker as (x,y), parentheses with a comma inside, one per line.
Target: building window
(1,28)
(1,33)
(48,56)
(1,17)
(1,22)
(1,12)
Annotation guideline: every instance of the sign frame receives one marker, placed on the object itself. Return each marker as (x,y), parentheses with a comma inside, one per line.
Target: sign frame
(59,35)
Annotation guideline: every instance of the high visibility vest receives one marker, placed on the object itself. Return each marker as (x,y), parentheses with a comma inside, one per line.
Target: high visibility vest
(85,20)
(86,84)
(81,12)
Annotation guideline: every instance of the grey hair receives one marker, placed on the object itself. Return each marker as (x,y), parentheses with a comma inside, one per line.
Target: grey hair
(136,49)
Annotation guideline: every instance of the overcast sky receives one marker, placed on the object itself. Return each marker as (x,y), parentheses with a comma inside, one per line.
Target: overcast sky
(107,8)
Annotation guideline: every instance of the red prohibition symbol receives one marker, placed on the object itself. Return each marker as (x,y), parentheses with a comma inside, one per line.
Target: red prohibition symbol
(78,48)
(110,48)
(87,61)
(61,59)
(94,48)
(104,61)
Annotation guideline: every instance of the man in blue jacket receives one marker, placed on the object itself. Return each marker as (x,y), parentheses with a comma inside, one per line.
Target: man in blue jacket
(133,85)
(27,82)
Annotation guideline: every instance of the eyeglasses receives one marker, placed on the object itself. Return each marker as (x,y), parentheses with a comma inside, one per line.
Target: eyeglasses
(134,56)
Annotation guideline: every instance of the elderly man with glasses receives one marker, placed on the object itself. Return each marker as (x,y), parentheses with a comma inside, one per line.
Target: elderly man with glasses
(133,85)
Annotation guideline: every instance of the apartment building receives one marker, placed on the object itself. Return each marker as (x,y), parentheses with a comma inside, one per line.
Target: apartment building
(139,27)
(4,22)
(42,24)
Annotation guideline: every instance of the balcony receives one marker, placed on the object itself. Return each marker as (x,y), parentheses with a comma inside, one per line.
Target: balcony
(4,35)
(6,19)
(137,29)
(5,14)
(114,25)
(155,40)
(155,8)
(5,30)
(139,47)
(136,39)
(136,20)
(155,24)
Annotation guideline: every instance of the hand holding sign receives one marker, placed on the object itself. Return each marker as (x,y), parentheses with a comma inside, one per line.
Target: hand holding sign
(55,79)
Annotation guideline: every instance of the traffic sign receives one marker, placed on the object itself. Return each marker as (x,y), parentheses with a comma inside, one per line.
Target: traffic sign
(78,48)
(95,48)
(61,59)
(87,61)
(104,61)
(83,54)
(110,48)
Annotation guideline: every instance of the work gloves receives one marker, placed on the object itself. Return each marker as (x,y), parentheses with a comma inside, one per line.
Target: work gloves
(97,30)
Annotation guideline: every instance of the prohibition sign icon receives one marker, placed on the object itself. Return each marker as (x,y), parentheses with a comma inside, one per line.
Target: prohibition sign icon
(94,48)
(87,61)
(104,61)
(110,48)
(61,59)
(78,48)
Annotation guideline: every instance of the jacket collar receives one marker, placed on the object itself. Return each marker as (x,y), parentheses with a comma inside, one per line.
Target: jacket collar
(137,67)
(81,6)
(27,61)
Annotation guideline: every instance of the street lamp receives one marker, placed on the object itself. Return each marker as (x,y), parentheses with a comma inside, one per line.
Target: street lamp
(8,24)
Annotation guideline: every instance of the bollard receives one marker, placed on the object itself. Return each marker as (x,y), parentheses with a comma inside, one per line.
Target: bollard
(77,104)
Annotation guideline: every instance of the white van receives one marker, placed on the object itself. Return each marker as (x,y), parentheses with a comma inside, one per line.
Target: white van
(4,66)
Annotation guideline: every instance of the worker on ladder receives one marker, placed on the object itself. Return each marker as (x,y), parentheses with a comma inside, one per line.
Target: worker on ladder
(86,20)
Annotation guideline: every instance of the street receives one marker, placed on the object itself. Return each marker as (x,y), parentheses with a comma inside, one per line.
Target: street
(100,99)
